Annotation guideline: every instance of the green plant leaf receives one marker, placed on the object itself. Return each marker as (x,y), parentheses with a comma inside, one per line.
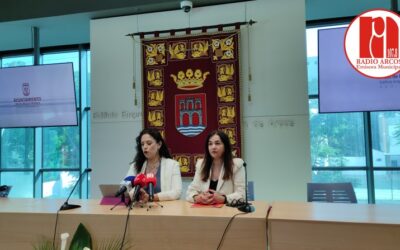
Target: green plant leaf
(44,244)
(113,244)
(81,239)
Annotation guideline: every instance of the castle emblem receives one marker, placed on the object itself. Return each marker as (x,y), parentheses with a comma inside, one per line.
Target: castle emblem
(190,114)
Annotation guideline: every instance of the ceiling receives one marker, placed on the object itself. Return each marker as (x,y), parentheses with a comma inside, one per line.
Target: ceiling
(65,22)
(12,10)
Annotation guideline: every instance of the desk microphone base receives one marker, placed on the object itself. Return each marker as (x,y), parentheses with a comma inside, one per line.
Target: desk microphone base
(248,208)
(67,206)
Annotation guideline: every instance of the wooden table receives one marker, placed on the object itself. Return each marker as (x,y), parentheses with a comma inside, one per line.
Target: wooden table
(312,226)
(175,226)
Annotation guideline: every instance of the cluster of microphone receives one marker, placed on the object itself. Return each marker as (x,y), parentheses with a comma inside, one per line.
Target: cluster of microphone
(136,183)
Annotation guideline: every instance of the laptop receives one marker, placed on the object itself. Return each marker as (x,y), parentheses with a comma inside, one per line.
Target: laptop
(108,192)
(5,190)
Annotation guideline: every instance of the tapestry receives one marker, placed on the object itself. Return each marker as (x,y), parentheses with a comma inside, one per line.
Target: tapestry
(191,86)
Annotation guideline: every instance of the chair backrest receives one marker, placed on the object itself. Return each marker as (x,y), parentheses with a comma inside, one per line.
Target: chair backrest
(331,192)
(5,190)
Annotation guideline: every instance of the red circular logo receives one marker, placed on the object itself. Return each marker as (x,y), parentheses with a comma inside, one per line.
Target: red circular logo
(372,43)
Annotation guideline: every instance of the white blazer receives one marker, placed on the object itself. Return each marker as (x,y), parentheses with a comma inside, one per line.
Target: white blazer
(171,181)
(234,188)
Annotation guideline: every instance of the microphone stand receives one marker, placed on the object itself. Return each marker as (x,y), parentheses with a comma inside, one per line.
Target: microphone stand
(151,203)
(67,206)
(154,204)
(121,201)
(130,207)
(131,203)
(247,207)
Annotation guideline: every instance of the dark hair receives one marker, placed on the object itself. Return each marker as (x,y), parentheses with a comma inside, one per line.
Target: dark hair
(139,157)
(228,159)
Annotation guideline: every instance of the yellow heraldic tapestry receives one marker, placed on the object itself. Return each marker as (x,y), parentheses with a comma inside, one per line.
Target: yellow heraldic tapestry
(191,86)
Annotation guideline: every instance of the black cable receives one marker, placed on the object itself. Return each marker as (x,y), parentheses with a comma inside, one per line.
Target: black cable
(55,229)
(226,229)
(267,226)
(126,226)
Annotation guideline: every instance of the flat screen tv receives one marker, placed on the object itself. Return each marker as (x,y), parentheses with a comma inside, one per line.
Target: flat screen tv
(342,88)
(37,96)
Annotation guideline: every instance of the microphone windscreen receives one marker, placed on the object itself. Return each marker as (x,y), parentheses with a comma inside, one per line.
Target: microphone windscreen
(129,178)
(152,180)
(140,180)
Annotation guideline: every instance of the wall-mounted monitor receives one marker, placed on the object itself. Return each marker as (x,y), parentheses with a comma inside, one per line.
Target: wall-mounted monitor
(37,96)
(342,88)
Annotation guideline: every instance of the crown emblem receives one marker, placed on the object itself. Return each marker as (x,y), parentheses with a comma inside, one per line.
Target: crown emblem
(190,80)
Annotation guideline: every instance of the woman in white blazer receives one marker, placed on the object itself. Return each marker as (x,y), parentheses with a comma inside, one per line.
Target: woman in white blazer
(153,157)
(218,178)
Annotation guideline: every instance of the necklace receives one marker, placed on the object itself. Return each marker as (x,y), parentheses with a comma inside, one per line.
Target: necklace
(153,167)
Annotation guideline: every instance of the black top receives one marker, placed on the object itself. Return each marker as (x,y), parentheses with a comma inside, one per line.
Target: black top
(213,184)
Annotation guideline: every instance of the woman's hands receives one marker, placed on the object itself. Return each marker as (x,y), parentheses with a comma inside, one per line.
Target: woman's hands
(144,196)
(209,197)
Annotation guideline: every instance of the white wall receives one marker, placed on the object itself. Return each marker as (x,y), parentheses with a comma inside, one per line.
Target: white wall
(275,122)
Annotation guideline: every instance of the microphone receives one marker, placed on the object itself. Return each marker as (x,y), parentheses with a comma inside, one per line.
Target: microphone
(67,206)
(152,182)
(129,178)
(137,183)
(126,182)
(246,207)
(121,191)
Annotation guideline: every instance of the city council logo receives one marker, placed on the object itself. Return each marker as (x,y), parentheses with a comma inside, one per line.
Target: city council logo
(372,43)
(190,114)
(25,89)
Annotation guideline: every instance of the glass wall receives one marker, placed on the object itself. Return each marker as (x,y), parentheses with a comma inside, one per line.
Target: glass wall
(360,147)
(46,162)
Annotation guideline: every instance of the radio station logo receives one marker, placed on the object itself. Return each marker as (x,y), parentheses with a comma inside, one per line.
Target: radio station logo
(372,43)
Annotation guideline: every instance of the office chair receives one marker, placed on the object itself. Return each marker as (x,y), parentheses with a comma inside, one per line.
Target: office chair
(5,190)
(331,192)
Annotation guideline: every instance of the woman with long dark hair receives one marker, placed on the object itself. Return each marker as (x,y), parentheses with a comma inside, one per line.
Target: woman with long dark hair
(153,158)
(219,177)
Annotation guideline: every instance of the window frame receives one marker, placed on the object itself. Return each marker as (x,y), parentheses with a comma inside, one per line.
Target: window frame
(369,169)
(83,113)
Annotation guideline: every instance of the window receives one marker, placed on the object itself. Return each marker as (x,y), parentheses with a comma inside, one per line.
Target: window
(385,127)
(360,147)
(46,162)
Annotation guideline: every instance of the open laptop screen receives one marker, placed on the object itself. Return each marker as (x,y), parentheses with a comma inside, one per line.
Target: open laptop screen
(108,192)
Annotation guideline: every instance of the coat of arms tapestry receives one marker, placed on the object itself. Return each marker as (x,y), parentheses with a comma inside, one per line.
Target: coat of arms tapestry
(191,86)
